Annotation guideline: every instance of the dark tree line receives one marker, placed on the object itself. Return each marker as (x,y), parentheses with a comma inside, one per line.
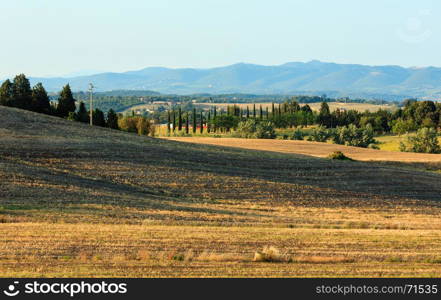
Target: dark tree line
(18,93)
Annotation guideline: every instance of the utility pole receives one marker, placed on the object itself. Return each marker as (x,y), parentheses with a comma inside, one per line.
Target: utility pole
(91,103)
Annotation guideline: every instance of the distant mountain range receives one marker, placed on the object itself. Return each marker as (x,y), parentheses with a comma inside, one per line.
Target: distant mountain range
(314,77)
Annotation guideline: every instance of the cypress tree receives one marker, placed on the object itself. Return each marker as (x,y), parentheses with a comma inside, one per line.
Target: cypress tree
(187,123)
(82,115)
(208,121)
(6,93)
(180,119)
(202,123)
(40,99)
(254,110)
(272,110)
(174,120)
(66,102)
(214,119)
(168,122)
(22,93)
(267,113)
(280,111)
(194,120)
(261,112)
(248,112)
(98,118)
(112,119)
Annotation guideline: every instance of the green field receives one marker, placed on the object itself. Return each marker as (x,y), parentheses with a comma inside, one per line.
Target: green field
(79,201)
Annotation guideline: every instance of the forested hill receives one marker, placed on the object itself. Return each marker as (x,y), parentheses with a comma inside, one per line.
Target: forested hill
(291,78)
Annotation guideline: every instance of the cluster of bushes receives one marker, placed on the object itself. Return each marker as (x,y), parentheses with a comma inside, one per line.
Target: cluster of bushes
(425,141)
(136,124)
(255,129)
(344,135)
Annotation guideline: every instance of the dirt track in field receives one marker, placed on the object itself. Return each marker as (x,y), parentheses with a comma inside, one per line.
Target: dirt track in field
(313,149)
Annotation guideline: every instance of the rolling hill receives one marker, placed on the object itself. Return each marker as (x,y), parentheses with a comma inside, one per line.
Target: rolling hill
(78,201)
(315,77)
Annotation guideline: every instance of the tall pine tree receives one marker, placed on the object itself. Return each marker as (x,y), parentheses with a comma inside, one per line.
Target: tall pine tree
(180,119)
(194,120)
(40,99)
(82,115)
(6,93)
(112,119)
(201,123)
(66,102)
(22,93)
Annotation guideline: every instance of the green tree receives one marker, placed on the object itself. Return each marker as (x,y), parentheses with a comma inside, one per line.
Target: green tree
(40,99)
(194,121)
(352,136)
(325,117)
(112,119)
(425,141)
(98,118)
(143,126)
(168,122)
(401,126)
(201,123)
(226,122)
(320,134)
(22,93)
(265,130)
(6,93)
(180,119)
(82,115)
(174,120)
(66,102)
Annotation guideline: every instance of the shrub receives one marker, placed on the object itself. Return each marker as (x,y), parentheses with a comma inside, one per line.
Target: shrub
(246,129)
(298,135)
(320,134)
(140,125)
(253,129)
(401,126)
(265,130)
(143,126)
(353,136)
(425,141)
(338,155)
(128,124)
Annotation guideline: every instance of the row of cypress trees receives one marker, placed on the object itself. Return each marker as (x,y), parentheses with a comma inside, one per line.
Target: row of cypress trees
(213,118)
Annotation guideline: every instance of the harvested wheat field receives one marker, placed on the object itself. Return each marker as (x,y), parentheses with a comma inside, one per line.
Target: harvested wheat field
(81,201)
(313,149)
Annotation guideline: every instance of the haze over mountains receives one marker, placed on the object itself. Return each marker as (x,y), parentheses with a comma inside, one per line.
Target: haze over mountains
(314,77)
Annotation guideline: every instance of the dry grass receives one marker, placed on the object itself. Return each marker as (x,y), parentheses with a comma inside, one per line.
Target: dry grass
(83,250)
(270,254)
(90,202)
(313,149)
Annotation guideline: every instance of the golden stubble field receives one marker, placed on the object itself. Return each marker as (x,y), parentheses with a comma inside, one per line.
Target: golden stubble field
(314,149)
(80,201)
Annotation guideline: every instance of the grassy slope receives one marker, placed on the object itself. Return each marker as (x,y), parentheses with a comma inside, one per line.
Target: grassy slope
(58,177)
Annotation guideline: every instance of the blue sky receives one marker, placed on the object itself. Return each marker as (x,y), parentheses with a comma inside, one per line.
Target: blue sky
(58,37)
